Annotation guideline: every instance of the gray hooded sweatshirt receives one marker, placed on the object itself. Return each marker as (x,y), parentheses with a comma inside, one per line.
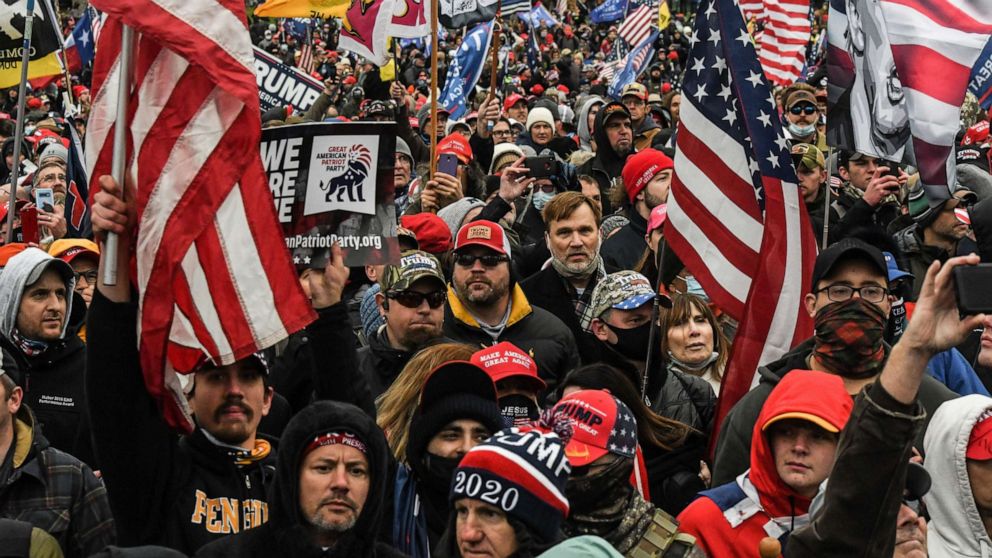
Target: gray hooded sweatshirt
(585,134)
(955,529)
(22,270)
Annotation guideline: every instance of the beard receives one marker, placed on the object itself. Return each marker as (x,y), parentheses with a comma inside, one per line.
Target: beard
(495,291)
(420,336)
(651,200)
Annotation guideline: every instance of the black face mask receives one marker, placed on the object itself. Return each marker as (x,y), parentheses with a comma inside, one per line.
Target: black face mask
(438,471)
(633,343)
(518,409)
(588,494)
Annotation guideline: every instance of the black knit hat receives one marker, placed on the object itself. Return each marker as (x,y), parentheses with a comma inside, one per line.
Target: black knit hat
(454,390)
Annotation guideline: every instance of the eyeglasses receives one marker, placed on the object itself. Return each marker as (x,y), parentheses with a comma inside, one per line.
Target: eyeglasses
(489,260)
(800,109)
(90,276)
(413,299)
(502,133)
(841,293)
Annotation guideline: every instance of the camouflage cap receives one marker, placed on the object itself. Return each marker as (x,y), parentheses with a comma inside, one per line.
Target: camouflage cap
(414,266)
(623,290)
(809,155)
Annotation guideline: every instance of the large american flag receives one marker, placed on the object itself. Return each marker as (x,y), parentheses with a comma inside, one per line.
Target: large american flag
(213,276)
(735,216)
(306,62)
(508,7)
(784,40)
(935,43)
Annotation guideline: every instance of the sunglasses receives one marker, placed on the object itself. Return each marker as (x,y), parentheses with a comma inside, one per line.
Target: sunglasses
(800,109)
(413,299)
(489,260)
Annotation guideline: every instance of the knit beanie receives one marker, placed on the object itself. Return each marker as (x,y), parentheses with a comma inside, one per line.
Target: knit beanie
(921,209)
(539,114)
(404,149)
(521,471)
(368,310)
(504,151)
(641,167)
(455,213)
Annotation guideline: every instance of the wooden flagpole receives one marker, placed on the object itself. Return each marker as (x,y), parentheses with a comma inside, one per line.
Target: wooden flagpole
(494,64)
(119,162)
(434,88)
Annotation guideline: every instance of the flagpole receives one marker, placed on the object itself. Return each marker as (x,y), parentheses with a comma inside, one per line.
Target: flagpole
(494,71)
(826,214)
(434,92)
(119,161)
(19,133)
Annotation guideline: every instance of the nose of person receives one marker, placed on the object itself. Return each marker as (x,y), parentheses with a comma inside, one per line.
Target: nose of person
(469,530)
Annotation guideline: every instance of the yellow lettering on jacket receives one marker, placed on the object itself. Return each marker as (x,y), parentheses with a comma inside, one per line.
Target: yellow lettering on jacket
(220,516)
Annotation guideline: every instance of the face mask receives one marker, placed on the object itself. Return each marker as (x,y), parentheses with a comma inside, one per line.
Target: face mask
(518,410)
(540,198)
(438,471)
(633,343)
(589,493)
(801,131)
(693,287)
(849,338)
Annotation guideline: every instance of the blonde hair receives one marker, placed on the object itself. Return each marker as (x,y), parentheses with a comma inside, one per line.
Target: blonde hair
(395,407)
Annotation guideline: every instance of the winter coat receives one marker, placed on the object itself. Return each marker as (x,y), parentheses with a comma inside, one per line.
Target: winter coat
(732,519)
(54,491)
(548,287)
(734,441)
(165,489)
(607,166)
(855,212)
(865,489)
(52,380)
(381,364)
(815,211)
(626,247)
(286,532)
(955,528)
(951,369)
(915,256)
(535,330)
(645,133)
(582,121)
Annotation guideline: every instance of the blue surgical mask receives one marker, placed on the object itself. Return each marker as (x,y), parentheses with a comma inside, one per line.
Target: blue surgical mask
(694,288)
(801,131)
(540,198)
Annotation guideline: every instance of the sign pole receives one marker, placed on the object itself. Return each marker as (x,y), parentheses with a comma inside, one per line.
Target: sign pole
(434,89)
(15,171)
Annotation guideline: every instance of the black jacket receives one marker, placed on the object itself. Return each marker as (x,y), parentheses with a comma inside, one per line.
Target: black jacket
(532,329)
(547,289)
(165,489)
(286,533)
(53,387)
(381,364)
(733,446)
(854,212)
(606,166)
(626,247)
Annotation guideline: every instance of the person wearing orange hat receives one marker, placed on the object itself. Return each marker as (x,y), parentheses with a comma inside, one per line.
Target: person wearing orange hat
(84,257)
(793,449)
(647,176)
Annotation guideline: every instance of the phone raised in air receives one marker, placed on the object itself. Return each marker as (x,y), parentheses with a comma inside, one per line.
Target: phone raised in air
(44,198)
(448,164)
(544,166)
(971,284)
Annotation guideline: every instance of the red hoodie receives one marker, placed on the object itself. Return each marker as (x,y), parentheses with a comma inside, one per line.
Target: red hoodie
(730,520)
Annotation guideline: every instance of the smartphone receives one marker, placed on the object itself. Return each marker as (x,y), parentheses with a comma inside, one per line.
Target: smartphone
(544,166)
(44,198)
(448,164)
(893,168)
(971,284)
(29,225)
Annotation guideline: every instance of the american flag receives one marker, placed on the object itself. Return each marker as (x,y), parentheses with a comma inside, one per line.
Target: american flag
(637,26)
(753,8)
(735,216)
(932,38)
(784,40)
(508,7)
(214,277)
(306,61)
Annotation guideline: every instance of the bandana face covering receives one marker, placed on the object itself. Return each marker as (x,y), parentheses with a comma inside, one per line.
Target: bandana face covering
(609,486)
(849,338)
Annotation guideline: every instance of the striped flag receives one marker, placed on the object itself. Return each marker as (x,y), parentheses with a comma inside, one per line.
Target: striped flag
(637,26)
(214,278)
(936,38)
(782,50)
(306,61)
(753,9)
(508,7)
(735,215)
(632,65)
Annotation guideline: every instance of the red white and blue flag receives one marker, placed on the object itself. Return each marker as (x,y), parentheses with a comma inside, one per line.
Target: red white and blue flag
(637,26)
(932,38)
(80,45)
(735,214)
(782,50)
(214,278)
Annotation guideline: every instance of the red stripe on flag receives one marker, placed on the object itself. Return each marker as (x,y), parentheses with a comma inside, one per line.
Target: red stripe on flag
(916,65)
(946,14)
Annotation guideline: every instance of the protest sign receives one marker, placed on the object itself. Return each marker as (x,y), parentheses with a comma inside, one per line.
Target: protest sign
(333,182)
(44,47)
(981,77)
(280,85)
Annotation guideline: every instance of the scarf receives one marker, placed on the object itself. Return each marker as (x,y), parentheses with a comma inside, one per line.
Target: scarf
(849,338)
(622,523)
(595,265)
(29,347)
(686,367)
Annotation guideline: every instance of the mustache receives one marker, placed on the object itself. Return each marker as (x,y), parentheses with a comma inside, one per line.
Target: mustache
(340,499)
(233,403)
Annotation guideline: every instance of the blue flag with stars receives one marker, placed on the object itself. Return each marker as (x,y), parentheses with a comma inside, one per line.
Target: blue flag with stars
(736,217)
(637,61)
(465,69)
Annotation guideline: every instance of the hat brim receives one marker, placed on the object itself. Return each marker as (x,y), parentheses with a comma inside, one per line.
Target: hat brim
(808,417)
(468,243)
(632,302)
(536,383)
(580,454)
(57,264)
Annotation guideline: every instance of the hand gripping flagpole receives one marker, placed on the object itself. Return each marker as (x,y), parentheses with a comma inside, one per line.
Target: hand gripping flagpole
(119,161)
(19,133)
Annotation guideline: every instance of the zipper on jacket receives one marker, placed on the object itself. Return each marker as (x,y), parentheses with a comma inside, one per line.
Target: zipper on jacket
(248,481)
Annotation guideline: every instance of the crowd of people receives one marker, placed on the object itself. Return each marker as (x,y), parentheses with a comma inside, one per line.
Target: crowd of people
(536,375)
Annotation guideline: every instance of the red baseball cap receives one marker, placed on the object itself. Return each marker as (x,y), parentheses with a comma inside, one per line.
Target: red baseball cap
(33,103)
(432,233)
(980,442)
(456,144)
(512,100)
(483,233)
(601,424)
(977,134)
(537,89)
(78,90)
(506,360)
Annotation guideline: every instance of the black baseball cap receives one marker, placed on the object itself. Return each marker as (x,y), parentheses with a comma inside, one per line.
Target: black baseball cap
(844,250)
